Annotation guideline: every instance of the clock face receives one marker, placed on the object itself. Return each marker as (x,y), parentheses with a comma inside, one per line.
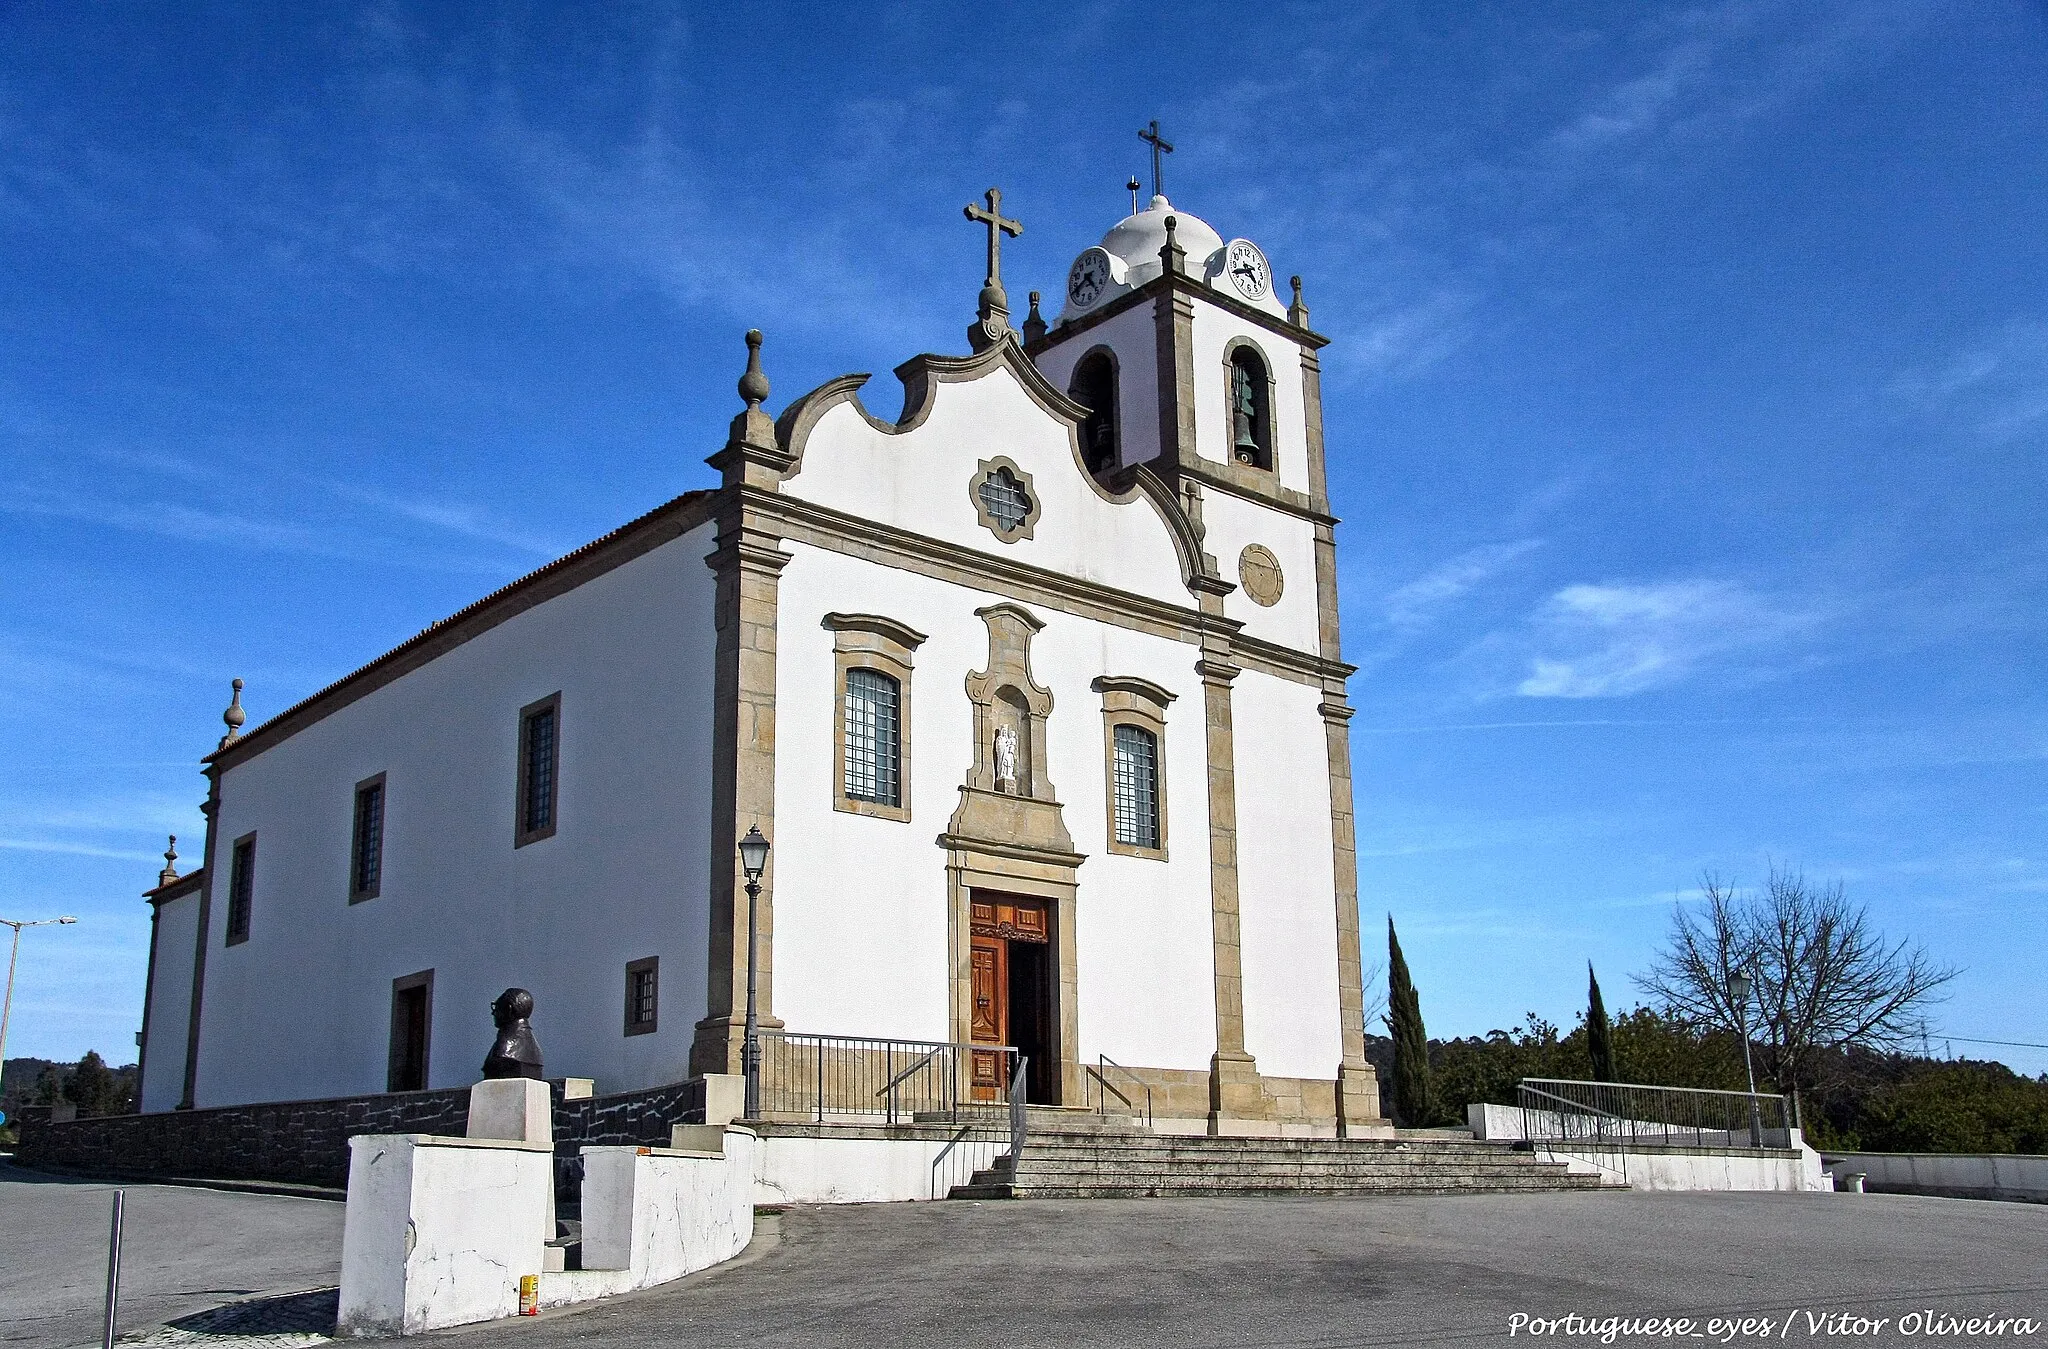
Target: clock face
(1089,278)
(1246,267)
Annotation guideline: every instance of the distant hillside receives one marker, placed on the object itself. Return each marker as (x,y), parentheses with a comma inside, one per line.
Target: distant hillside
(27,1081)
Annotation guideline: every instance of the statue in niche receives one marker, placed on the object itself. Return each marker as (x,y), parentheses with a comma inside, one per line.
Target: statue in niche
(1006,760)
(515,1053)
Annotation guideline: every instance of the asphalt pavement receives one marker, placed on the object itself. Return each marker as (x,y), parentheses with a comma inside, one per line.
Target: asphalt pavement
(186,1250)
(1322,1273)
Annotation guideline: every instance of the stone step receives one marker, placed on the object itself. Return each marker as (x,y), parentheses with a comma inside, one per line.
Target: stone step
(998,1189)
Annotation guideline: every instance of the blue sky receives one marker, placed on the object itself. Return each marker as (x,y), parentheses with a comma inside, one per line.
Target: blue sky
(1687,403)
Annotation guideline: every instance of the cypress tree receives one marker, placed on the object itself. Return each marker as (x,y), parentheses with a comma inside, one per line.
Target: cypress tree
(1413,1103)
(1599,1035)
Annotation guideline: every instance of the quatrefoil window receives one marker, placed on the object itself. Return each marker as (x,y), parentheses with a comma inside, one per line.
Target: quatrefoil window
(1004,500)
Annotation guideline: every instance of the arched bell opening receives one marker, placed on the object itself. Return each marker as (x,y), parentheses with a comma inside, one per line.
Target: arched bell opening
(1251,408)
(1094,387)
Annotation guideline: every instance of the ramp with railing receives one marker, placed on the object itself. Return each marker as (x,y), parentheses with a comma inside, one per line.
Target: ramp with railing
(1624,1116)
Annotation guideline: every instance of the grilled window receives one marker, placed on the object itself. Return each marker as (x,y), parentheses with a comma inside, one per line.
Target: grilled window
(1137,786)
(643,995)
(241,889)
(1005,499)
(873,738)
(540,737)
(366,862)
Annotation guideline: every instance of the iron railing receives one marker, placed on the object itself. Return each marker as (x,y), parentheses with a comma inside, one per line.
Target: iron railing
(1621,1115)
(985,1142)
(1105,1065)
(857,1078)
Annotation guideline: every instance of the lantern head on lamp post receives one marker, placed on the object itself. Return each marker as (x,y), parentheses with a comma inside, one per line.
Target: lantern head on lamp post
(753,861)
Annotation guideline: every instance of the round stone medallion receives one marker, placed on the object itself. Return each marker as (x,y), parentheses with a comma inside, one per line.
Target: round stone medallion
(1259,571)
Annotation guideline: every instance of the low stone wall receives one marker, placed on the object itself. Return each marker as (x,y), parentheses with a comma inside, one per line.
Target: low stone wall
(306,1142)
(1950,1175)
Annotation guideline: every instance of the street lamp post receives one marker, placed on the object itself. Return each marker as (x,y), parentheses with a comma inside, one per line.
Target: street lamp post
(1739,985)
(753,861)
(7,1007)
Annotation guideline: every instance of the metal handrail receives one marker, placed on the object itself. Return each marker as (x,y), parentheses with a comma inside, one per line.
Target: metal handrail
(824,1075)
(890,1089)
(1017,1116)
(1627,1112)
(1103,1105)
(965,1130)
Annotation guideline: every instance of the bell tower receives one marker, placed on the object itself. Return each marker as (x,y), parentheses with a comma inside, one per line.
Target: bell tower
(1193,368)
(1176,341)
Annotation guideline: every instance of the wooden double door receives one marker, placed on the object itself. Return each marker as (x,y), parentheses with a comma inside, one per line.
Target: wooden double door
(1013,956)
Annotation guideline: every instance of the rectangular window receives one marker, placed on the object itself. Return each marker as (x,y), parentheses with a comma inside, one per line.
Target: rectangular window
(1137,786)
(873,739)
(241,889)
(366,854)
(540,739)
(412,1023)
(643,995)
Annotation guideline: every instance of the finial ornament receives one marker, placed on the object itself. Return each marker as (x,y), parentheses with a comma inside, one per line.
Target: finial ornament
(1160,145)
(170,871)
(753,384)
(992,315)
(1297,313)
(234,717)
(1132,188)
(1171,254)
(1034,322)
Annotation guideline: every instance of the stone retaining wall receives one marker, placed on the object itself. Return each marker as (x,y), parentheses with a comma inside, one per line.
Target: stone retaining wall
(306,1142)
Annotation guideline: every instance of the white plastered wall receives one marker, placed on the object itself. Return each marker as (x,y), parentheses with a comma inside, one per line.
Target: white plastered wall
(1286,878)
(860,902)
(921,480)
(170,1004)
(302,1009)
(1233,522)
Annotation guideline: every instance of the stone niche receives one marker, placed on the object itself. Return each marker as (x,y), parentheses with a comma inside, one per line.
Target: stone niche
(1021,811)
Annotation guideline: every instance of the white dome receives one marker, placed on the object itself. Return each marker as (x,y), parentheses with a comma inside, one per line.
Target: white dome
(1137,239)
(1133,245)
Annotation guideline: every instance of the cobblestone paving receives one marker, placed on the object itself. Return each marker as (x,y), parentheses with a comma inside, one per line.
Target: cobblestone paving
(293,1321)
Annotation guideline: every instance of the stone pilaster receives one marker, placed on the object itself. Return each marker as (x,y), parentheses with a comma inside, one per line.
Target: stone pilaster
(1358,1086)
(748,566)
(1234,1090)
(211,809)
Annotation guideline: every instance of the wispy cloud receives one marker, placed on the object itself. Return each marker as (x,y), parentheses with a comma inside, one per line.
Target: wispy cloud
(1416,605)
(1996,384)
(1609,641)
(77,849)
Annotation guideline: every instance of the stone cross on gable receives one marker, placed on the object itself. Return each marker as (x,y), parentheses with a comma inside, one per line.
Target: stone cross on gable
(992,316)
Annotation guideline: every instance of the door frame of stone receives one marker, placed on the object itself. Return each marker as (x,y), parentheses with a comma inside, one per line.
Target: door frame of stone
(977,865)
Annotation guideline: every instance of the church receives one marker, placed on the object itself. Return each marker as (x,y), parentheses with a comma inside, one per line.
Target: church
(1033,688)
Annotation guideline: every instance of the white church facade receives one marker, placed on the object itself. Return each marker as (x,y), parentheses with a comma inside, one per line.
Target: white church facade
(1035,689)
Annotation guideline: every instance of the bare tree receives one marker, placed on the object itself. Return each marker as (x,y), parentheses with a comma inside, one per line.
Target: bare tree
(1824,978)
(1375,990)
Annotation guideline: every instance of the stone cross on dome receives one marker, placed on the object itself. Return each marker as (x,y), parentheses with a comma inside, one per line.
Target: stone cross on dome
(1160,145)
(992,315)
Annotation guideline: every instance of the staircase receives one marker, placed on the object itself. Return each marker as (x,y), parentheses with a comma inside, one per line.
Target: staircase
(1083,1157)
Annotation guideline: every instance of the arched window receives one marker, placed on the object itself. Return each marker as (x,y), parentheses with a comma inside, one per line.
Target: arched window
(1094,387)
(873,738)
(1251,410)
